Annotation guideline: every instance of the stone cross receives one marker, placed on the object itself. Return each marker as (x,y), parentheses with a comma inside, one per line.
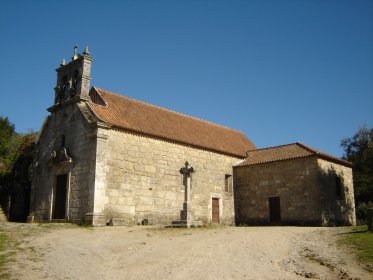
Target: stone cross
(187,171)
(186,213)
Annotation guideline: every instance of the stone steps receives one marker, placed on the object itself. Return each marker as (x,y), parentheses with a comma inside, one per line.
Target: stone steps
(184,224)
(59,221)
(180,223)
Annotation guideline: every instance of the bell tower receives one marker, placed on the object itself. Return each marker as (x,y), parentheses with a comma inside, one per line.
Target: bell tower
(73,78)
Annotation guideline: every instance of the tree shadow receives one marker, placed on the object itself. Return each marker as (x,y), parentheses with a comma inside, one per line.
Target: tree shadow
(352,232)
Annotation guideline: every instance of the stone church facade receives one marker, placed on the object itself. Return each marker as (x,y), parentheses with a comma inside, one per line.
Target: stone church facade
(103,158)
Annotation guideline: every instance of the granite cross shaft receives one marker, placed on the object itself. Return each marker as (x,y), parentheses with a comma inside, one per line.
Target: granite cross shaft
(186,212)
(186,171)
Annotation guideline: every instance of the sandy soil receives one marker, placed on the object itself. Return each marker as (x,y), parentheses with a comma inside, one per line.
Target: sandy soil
(71,252)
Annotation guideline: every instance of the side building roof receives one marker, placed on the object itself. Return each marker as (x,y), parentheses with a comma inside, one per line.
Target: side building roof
(286,152)
(129,114)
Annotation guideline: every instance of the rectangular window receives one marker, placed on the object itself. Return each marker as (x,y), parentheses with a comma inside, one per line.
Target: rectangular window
(228,183)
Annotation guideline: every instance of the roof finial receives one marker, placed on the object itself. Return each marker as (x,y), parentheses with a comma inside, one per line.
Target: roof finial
(86,51)
(63,62)
(76,55)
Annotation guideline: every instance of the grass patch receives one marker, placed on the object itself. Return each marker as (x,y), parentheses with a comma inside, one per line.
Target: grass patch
(361,241)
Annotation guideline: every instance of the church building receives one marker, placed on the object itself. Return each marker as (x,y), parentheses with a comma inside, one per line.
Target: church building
(103,158)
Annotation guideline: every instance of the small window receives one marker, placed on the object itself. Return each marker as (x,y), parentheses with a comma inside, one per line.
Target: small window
(96,98)
(228,183)
(338,186)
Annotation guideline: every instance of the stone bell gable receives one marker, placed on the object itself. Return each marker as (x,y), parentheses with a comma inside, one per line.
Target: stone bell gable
(293,184)
(73,78)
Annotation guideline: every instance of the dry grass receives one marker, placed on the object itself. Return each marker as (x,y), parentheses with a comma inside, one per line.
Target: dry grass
(360,240)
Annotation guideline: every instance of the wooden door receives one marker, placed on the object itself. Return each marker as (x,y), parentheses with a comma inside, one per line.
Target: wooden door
(274,209)
(59,206)
(215,210)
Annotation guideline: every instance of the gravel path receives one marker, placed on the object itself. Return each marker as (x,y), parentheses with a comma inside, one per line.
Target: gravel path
(71,252)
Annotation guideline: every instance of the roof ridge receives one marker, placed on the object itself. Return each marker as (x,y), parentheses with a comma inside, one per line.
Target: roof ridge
(272,147)
(308,148)
(322,154)
(169,110)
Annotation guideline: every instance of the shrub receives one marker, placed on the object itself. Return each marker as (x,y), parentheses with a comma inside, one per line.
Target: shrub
(362,211)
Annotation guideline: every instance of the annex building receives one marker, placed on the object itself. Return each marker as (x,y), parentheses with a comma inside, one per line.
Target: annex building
(103,158)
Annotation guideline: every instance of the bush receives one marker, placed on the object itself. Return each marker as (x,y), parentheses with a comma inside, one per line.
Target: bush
(362,211)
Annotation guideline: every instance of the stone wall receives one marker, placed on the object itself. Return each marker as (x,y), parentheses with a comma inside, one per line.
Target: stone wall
(294,181)
(306,188)
(138,180)
(65,120)
(338,207)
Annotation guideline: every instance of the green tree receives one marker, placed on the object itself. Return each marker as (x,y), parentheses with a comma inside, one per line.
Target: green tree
(359,150)
(19,179)
(16,157)
(8,139)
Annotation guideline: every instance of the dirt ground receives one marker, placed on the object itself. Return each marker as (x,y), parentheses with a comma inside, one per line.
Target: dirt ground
(62,251)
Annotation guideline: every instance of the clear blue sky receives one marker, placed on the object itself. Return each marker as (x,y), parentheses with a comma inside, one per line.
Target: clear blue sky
(280,71)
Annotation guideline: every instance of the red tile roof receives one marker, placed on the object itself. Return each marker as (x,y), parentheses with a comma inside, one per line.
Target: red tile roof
(126,113)
(285,152)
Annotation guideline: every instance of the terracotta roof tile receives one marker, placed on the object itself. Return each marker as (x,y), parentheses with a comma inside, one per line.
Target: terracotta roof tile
(285,152)
(130,114)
